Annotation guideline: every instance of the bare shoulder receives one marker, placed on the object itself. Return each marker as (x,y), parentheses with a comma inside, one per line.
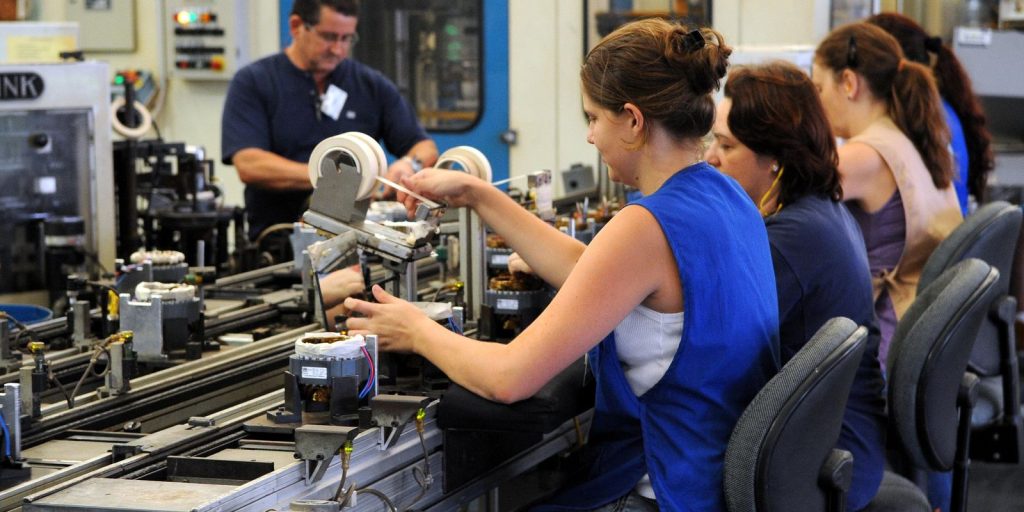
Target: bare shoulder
(859,159)
(634,222)
(864,173)
(632,239)
(635,247)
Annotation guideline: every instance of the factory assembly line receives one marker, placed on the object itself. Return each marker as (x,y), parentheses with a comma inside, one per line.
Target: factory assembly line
(169,388)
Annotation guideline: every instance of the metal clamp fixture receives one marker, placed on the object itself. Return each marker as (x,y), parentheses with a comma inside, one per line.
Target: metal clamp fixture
(316,446)
(123,365)
(391,413)
(34,379)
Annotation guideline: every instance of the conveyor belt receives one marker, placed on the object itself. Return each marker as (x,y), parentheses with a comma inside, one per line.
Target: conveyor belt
(166,388)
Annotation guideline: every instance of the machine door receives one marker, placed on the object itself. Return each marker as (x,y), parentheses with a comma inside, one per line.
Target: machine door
(450,60)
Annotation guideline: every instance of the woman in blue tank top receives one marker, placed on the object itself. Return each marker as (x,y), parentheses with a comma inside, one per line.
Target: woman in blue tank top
(772,136)
(693,250)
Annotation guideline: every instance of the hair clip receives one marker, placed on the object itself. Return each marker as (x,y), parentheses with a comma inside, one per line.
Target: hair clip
(851,53)
(933,44)
(693,40)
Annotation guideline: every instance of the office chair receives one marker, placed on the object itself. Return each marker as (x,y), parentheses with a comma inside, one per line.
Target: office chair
(782,455)
(990,234)
(928,385)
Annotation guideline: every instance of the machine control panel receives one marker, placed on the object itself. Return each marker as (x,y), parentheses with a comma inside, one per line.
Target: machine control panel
(207,39)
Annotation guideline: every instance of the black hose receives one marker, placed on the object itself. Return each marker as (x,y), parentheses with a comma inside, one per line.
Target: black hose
(67,397)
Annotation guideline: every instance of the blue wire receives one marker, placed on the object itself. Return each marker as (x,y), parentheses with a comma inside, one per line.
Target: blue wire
(369,380)
(453,327)
(366,389)
(7,435)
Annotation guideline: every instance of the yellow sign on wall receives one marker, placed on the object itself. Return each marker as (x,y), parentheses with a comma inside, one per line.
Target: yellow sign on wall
(33,49)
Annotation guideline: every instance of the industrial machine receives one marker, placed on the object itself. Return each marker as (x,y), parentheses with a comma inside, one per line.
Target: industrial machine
(167,198)
(54,170)
(106,407)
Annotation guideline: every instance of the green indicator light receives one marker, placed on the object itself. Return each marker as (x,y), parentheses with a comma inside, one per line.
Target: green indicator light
(451,30)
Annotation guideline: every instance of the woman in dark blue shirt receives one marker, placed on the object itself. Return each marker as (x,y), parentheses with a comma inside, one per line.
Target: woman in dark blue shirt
(772,136)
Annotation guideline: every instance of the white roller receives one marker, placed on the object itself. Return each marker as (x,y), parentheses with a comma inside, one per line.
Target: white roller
(378,152)
(366,152)
(132,133)
(469,158)
(158,258)
(166,291)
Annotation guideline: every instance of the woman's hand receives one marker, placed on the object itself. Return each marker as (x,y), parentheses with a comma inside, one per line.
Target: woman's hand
(452,187)
(396,322)
(516,264)
(341,284)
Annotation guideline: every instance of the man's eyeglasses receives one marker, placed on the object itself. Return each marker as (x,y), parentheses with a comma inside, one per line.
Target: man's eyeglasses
(331,38)
(851,53)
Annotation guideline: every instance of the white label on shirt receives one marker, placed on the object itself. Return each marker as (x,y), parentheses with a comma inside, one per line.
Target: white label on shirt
(333,101)
(314,372)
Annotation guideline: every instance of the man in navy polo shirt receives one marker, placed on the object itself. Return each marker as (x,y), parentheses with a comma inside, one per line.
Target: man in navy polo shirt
(280,107)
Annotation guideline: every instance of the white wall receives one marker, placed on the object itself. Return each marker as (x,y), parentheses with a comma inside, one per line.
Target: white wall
(545,54)
(778,22)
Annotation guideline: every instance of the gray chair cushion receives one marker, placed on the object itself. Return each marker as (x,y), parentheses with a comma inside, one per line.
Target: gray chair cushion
(897,494)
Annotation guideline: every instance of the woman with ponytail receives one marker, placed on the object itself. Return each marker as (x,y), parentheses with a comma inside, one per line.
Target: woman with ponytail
(895,166)
(674,300)
(971,141)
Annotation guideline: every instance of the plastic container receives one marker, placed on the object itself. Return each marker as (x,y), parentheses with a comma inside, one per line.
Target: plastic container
(27,313)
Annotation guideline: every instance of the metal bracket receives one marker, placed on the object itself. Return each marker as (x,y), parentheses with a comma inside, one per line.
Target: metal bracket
(120,452)
(316,445)
(315,506)
(291,411)
(10,358)
(201,421)
(10,408)
(391,413)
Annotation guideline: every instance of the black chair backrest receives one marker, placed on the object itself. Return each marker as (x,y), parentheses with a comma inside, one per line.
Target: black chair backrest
(784,436)
(928,358)
(989,234)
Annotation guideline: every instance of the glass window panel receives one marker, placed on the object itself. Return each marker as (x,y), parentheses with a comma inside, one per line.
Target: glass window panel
(607,15)
(432,50)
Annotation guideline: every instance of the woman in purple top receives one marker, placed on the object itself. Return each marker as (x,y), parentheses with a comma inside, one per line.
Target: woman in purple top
(971,141)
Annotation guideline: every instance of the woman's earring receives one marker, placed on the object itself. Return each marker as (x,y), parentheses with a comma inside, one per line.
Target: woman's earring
(775,168)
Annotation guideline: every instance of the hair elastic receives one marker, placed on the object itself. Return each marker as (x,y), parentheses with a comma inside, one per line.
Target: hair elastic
(694,40)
